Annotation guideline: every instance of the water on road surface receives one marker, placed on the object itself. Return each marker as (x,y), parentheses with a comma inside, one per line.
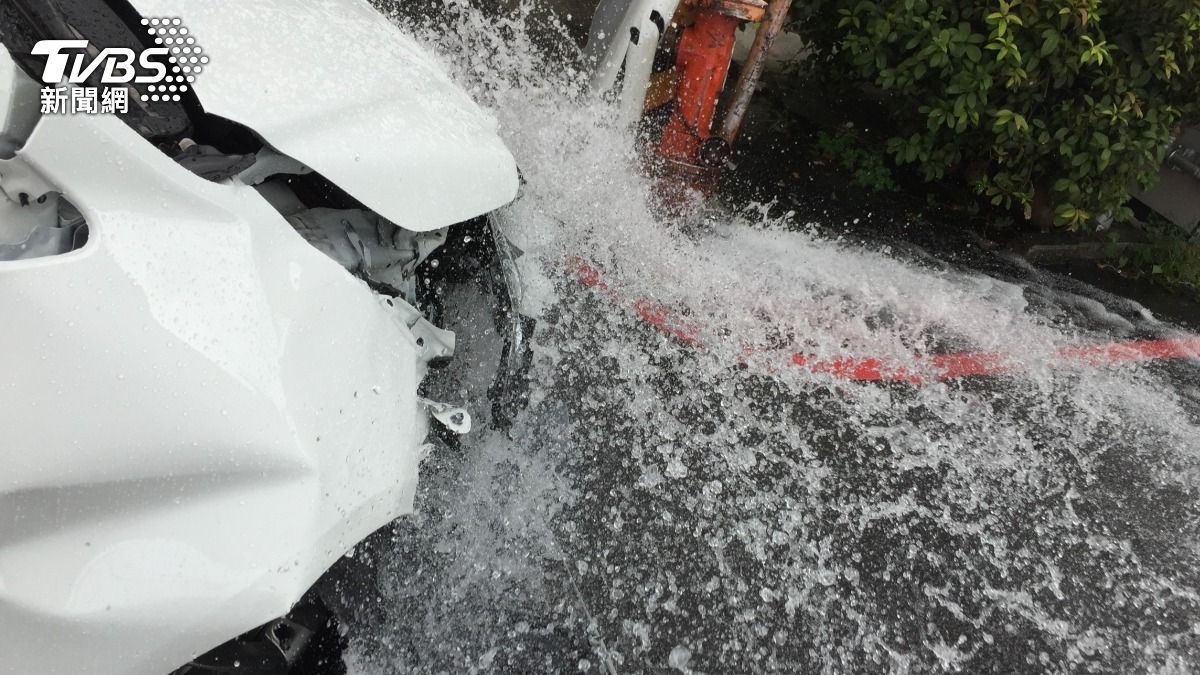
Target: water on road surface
(661,508)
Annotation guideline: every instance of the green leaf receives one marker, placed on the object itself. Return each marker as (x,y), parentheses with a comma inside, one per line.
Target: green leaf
(1050,42)
(1103,113)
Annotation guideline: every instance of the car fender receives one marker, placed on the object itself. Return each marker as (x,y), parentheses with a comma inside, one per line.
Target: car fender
(201,412)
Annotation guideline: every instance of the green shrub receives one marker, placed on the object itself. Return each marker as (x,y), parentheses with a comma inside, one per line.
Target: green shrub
(1166,258)
(1059,106)
(867,168)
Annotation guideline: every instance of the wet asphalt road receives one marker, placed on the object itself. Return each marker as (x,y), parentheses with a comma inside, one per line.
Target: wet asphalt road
(654,512)
(657,510)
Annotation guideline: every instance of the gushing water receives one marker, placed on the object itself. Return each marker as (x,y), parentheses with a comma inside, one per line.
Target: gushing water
(659,507)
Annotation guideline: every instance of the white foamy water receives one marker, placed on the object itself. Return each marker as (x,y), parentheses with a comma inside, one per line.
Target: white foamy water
(658,508)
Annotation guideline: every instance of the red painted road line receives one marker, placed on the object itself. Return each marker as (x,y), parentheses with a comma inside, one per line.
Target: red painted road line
(924,369)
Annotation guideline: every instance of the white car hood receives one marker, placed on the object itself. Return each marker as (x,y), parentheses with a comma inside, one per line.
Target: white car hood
(357,101)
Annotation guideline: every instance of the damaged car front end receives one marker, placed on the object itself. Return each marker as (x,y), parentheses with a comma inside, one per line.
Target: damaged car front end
(217,325)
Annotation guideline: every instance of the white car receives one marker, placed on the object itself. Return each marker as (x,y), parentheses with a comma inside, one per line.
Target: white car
(216,318)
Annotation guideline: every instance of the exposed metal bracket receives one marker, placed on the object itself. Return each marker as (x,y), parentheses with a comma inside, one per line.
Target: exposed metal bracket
(433,343)
(454,418)
(267,163)
(21,183)
(30,224)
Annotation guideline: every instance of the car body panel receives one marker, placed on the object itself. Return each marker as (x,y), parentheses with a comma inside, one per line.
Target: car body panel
(349,95)
(201,413)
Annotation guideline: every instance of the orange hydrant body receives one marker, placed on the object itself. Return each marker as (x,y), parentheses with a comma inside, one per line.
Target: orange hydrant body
(702,63)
